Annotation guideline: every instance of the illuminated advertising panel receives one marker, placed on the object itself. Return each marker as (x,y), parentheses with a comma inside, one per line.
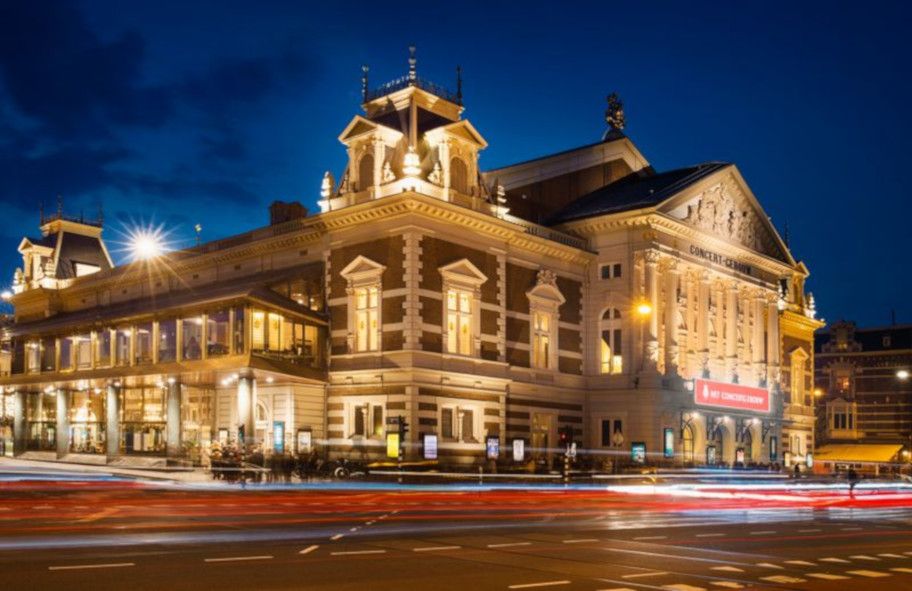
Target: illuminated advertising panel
(430,446)
(392,445)
(668,437)
(731,396)
(519,450)
(492,445)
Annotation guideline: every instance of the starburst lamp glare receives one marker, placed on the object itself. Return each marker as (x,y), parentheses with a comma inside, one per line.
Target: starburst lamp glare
(146,245)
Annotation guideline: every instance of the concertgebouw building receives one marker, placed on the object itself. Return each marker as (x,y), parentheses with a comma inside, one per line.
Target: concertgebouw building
(656,315)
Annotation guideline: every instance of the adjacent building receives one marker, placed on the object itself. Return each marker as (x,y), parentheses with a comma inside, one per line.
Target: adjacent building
(655,315)
(864,406)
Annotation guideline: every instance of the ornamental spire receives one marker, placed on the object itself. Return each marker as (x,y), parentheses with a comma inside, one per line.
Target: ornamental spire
(413,62)
(614,114)
(364,70)
(459,84)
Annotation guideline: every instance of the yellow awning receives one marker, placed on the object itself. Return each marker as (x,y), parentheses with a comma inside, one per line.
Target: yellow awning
(858,452)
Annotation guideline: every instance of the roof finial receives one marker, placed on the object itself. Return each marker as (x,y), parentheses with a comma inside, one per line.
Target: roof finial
(614,114)
(41,213)
(364,70)
(459,84)
(413,61)
(59,205)
(785,234)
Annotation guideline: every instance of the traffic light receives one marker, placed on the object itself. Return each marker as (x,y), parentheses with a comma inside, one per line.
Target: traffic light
(566,435)
(403,429)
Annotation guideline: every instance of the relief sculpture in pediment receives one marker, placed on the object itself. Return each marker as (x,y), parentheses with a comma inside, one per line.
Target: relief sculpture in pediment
(716,211)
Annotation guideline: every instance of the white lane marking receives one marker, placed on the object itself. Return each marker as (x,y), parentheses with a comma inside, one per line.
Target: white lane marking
(353,529)
(710,535)
(238,558)
(888,555)
(308,549)
(82,566)
(651,538)
(836,560)
(769,565)
(901,569)
(864,557)
(674,556)
(509,545)
(337,537)
(727,584)
(728,569)
(357,552)
(370,523)
(908,553)
(800,563)
(580,541)
(871,574)
(683,587)
(811,530)
(783,579)
(639,575)
(435,548)
(851,529)
(763,533)
(543,584)
(618,589)
(826,576)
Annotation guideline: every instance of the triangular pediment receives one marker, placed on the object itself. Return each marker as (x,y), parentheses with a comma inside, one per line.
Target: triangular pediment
(463,271)
(362,126)
(546,293)
(723,205)
(463,130)
(362,268)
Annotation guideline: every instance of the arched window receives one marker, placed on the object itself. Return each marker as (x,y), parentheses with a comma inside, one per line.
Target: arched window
(687,442)
(459,176)
(611,356)
(365,172)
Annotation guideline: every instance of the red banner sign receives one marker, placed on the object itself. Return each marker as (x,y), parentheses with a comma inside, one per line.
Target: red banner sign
(733,396)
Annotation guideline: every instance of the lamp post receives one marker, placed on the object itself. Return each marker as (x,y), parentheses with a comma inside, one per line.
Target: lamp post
(902,376)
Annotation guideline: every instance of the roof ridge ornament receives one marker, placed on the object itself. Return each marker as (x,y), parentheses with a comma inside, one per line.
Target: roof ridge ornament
(413,63)
(614,114)
(459,84)
(364,71)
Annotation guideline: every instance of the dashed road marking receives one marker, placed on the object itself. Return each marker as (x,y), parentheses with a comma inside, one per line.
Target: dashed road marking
(353,529)
(716,535)
(727,584)
(308,549)
(337,537)
(851,529)
(509,544)
(357,552)
(783,579)
(871,574)
(810,531)
(800,563)
(864,557)
(435,548)
(644,538)
(542,584)
(769,565)
(641,575)
(901,569)
(728,569)
(763,533)
(683,587)
(83,566)
(827,576)
(581,541)
(238,558)
(835,560)
(888,555)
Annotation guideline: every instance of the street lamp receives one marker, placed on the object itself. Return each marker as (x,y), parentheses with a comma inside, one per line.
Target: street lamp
(145,245)
(643,309)
(903,374)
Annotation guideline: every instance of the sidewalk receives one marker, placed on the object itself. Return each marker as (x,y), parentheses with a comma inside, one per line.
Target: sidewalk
(29,466)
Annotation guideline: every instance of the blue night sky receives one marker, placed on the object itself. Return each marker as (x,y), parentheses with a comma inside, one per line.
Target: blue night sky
(180,113)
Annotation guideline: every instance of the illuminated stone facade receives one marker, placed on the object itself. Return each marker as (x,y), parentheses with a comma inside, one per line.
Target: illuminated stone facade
(581,291)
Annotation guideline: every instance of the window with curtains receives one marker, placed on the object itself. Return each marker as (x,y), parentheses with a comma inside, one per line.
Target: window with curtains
(459,321)
(611,352)
(541,340)
(367,318)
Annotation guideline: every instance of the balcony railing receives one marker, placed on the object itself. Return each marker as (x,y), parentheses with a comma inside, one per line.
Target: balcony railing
(404,82)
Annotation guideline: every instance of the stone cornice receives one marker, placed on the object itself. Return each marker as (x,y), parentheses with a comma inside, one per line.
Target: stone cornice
(799,322)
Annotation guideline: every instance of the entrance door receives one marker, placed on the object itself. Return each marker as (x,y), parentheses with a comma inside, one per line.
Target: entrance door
(6,441)
(542,435)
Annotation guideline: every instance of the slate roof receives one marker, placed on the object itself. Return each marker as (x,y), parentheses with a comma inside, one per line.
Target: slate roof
(635,191)
(76,248)
(871,339)
(399,120)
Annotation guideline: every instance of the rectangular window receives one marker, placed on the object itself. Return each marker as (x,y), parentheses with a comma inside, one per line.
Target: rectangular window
(217,338)
(104,339)
(143,346)
(33,356)
(377,420)
(612,360)
(258,330)
(468,425)
(66,353)
(606,432)
(360,421)
(82,351)
(238,330)
(459,322)
(192,338)
(367,318)
(446,423)
(167,340)
(610,271)
(541,340)
(48,354)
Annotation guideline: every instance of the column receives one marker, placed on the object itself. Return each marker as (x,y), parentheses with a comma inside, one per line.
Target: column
(19,424)
(173,417)
(652,296)
(112,421)
(703,319)
(759,355)
(772,342)
(246,403)
(672,280)
(731,330)
(63,422)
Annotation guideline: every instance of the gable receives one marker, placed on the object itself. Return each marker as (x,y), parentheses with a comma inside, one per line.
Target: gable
(362,270)
(463,272)
(724,206)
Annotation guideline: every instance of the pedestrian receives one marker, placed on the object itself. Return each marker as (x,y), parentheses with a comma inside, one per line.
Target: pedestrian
(797,471)
(852,477)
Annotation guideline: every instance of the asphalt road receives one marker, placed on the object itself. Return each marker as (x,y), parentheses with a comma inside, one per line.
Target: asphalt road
(123,536)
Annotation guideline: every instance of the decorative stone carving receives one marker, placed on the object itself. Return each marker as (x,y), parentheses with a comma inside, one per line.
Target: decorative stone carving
(388,172)
(716,211)
(546,277)
(436,176)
